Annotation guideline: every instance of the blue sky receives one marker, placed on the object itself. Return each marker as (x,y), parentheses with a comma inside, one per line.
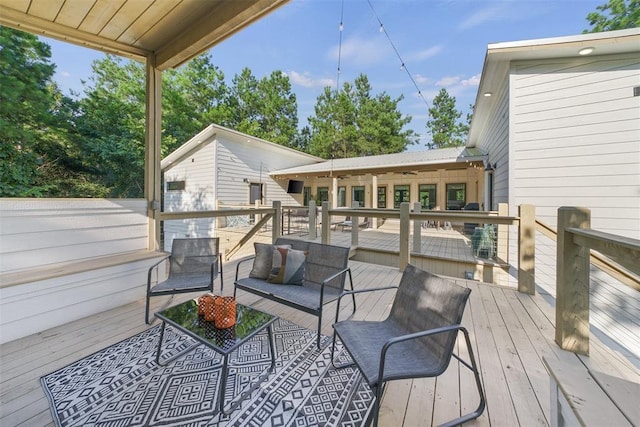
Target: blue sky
(441,42)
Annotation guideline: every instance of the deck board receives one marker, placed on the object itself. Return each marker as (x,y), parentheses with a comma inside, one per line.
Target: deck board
(510,333)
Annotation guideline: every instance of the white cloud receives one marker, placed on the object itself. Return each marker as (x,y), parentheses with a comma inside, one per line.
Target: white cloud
(306,80)
(448,81)
(362,52)
(489,14)
(65,74)
(421,80)
(472,81)
(423,54)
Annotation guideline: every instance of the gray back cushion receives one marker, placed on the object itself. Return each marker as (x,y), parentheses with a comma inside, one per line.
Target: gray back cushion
(322,261)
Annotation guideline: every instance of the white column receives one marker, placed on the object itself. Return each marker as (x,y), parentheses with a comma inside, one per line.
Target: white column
(334,192)
(488,174)
(374,199)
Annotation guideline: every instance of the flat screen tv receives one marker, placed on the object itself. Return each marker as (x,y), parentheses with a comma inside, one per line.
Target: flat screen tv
(295,187)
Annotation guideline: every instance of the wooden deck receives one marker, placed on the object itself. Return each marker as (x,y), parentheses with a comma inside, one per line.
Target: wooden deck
(511,333)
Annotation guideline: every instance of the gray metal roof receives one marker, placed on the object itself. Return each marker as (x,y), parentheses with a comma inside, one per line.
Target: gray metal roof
(406,160)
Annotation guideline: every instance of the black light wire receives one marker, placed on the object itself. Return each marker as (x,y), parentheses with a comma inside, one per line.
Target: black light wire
(403,65)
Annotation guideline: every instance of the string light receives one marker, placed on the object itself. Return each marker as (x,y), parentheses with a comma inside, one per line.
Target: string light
(403,66)
(341,27)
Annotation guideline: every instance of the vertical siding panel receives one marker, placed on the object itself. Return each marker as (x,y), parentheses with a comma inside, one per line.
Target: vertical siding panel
(576,139)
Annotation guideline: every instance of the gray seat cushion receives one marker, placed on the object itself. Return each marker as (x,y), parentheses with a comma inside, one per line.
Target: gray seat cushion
(307,295)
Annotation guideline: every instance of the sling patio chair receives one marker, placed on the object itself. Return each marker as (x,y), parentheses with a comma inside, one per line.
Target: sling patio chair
(193,266)
(416,340)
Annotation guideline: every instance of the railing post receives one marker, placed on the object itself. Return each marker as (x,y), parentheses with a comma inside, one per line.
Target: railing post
(313,231)
(276,221)
(527,249)
(417,229)
(503,234)
(404,235)
(326,224)
(572,283)
(355,225)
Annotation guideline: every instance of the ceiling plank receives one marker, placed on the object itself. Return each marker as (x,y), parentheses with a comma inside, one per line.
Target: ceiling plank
(73,12)
(212,28)
(100,14)
(150,22)
(44,9)
(21,21)
(124,18)
(19,5)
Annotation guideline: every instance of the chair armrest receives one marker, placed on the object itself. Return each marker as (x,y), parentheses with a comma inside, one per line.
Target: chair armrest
(153,267)
(330,278)
(241,261)
(408,337)
(359,291)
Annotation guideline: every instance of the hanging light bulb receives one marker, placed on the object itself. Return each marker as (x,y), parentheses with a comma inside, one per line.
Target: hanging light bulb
(402,67)
(381,28)
(341,27)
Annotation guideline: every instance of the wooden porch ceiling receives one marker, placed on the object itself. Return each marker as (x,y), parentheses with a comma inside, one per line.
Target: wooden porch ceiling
(170,32)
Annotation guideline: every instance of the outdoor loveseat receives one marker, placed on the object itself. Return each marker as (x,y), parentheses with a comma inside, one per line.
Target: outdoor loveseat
(318,278)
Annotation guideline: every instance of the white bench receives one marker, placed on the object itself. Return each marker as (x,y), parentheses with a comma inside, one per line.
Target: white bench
(581,397)
(64,259)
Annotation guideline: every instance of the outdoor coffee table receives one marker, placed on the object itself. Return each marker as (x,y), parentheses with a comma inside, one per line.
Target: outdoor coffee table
(249,322)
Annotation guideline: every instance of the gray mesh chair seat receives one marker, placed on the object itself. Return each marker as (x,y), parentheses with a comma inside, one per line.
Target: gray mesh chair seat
(193,266)
(416,340)
(367,339)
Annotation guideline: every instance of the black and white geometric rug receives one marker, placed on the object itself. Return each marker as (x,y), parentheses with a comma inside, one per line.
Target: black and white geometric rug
(123,386)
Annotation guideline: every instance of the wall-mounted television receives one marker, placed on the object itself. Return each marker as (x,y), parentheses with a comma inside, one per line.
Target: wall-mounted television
(295,187)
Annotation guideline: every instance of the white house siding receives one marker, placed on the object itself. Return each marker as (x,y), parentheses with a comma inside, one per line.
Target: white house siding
(251,160)
(494,140)
(198,172)
(575,139)
(41,232)
(41,243)
(576,142)
(218,173)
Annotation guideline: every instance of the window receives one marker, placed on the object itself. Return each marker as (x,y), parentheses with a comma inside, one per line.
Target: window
(382,197)
(323,194)
(400,194)
(342,197)
(357,195)
(256,193)
(175,185)
(456,196)
(427,195)
(306,196)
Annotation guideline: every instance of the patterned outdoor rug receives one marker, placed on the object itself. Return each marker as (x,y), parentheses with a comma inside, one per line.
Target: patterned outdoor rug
(123,386)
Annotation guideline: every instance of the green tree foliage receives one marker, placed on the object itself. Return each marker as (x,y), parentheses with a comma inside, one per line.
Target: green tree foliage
(111,125)
(444,122)
(193,97)
(264,108)
(37,154)
(25,105)
(352,122)
(614,15)
(112,119)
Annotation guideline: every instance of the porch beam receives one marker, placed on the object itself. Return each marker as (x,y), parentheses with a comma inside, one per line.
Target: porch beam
(153,133)
(572,282)
(527,249)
